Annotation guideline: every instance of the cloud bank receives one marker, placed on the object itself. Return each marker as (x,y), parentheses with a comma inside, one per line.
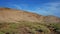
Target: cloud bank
(52,8)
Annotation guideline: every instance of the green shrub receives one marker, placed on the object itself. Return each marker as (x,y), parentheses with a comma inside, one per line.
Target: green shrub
(56,26)
(36,26)
(1,32)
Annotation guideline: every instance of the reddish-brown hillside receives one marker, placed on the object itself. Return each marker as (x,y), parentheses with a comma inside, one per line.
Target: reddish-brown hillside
(12,15)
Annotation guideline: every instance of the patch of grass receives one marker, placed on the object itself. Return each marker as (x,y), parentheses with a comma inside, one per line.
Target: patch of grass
(56,26)
(9,28)
(1,32)
(32,27)
(36,27)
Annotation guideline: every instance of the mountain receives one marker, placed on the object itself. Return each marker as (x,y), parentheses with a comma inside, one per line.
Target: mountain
(13,15)
(13,21)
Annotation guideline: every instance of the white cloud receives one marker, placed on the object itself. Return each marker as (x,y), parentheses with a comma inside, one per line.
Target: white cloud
(18,6)
(50,8)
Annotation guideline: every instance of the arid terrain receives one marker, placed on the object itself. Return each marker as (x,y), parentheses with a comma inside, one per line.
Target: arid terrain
(13,21)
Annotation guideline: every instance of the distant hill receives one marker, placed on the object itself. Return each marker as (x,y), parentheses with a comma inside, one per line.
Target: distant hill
(13,15)
(13,21)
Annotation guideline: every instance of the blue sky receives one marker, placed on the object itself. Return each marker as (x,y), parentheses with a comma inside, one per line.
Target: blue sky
(43,7)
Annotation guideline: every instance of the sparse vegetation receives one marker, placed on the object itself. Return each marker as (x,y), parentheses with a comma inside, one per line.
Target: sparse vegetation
(28,28)
(56,26)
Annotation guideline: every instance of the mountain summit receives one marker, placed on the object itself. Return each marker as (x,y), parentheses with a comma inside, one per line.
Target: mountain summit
(13,15)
